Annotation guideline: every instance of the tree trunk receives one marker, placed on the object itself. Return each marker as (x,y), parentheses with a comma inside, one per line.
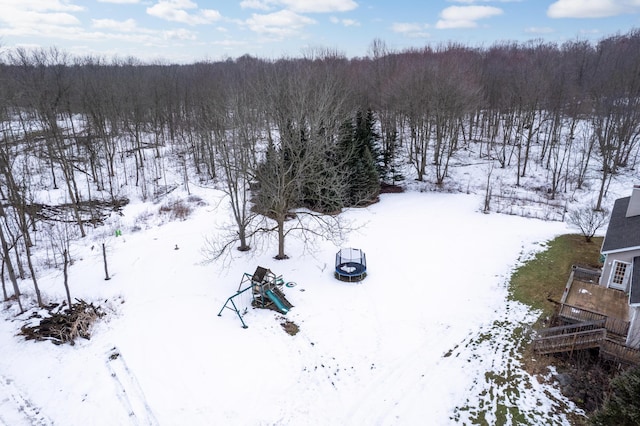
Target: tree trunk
(4,284)
(65,271)
(10,270)
(104,258)
(281,253)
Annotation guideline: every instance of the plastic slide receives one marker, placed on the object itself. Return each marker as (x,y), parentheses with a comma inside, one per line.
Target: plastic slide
(275,299)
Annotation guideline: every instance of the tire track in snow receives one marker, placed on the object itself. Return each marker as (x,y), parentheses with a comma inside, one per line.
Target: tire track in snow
(130,393)
(16,409)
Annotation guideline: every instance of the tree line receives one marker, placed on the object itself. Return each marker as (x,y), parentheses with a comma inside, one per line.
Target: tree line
(314,134)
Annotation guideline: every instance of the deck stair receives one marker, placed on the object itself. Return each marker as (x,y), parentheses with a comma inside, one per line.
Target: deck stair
(586,335)
(568,338)
(614,350)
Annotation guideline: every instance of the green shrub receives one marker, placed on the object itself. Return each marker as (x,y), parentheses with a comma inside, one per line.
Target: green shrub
(622,407)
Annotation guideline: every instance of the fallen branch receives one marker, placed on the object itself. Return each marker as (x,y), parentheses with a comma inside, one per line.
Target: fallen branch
(64,326)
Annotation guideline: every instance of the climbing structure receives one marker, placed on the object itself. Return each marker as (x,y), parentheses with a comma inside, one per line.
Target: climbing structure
(265,289)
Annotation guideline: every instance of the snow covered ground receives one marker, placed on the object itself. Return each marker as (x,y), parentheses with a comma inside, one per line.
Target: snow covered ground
(428,337)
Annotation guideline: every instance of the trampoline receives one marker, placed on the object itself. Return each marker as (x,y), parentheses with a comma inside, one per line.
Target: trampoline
(351,265)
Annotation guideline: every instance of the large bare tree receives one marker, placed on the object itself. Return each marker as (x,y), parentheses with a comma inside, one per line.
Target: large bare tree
(306,102)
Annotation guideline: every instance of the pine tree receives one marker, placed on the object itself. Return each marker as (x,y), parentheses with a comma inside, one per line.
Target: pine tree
(622,407)
(358,148)
(391,169)
(366,134)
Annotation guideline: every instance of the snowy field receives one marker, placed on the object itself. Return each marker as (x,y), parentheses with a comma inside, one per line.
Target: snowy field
(426,338)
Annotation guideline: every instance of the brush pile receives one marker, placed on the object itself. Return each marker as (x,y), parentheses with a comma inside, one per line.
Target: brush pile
(64,325)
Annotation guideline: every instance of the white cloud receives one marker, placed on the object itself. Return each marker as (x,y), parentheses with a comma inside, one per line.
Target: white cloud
(179,34)
(211,14)
(302,6)
(29,16)
(110,24)
(350,23)
(51,18)
(176,11)
(257,4)
(120,1)
(405,27)
(39,6)
(592,8)
(345,22)
(409,29)
(484,1)
(279,24)
(319,6)
(465,16)
(539,30)
(589,32)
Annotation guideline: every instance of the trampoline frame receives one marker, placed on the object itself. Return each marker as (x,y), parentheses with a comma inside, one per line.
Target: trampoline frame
(358,264)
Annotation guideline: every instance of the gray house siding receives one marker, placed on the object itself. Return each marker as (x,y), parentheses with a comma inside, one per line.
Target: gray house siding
(622,244)
(633,336)
(624,256)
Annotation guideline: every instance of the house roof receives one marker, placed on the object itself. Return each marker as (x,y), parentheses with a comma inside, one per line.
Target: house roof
(623,232)
(634,294)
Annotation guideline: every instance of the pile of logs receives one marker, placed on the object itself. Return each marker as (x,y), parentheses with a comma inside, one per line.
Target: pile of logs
(64,326)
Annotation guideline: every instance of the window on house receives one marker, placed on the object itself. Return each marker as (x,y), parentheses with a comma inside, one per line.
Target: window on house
(619,275)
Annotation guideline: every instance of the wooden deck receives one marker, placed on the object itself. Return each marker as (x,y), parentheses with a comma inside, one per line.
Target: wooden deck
(570,342)
(595,298)
(585,335)
(597,317)
(616,351)
(615,326)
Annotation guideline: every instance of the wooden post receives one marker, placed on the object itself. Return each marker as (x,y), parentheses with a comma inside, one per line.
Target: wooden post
(104,257)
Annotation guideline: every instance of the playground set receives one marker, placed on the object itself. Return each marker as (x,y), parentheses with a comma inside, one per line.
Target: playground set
(265,289)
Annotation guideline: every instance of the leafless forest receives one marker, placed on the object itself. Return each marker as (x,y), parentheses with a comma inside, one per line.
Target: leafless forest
(319,132)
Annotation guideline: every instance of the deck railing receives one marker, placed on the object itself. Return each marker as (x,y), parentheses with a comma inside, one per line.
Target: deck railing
(615,326)
(570,329)
(574,313)
(587,329)
(616,351)
(570,342)
(586,274)
(592,330)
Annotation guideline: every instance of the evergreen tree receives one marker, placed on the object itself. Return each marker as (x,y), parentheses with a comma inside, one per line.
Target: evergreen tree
(623,406)
(319,196)
(393,161)
(366,134)
(358,148)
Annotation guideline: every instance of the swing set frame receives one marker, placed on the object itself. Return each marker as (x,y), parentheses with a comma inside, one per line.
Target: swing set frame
(261,281)
(233,306)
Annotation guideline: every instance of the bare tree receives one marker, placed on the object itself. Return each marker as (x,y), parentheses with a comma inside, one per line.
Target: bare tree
(413,83)
(454,95)
(306,105)
(46,80)
(615,95)
(588,220)
(236,140)
(16,194)
(6,258)
(60,237)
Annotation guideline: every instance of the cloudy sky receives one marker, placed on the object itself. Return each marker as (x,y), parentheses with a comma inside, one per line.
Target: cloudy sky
(190,30)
